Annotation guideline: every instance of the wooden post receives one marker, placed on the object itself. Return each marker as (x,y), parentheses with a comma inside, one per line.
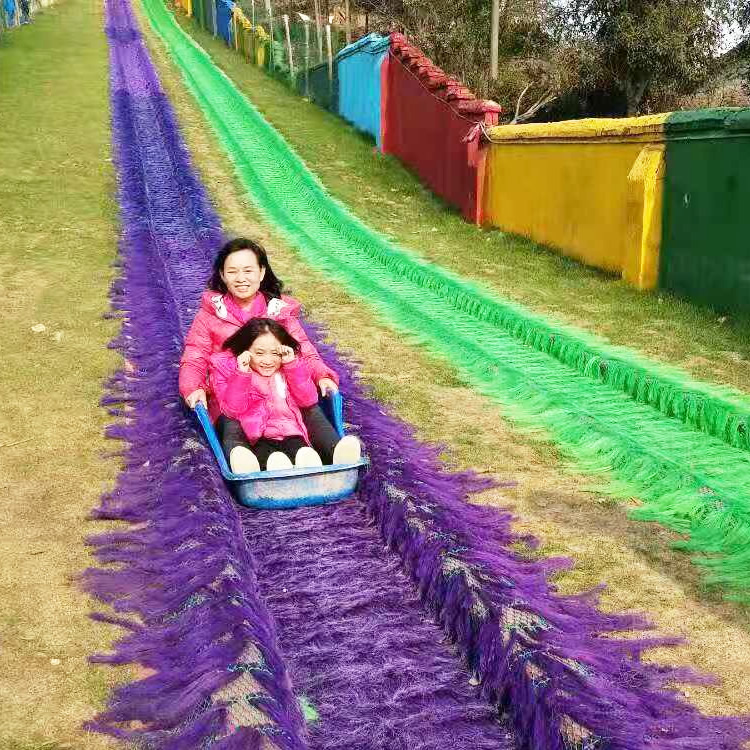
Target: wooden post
(330,53)
(289,45)
(494,34)
(348,22)
(319,31)
(271,61)
(307,58)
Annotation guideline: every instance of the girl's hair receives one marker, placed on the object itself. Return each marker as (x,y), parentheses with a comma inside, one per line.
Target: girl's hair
(270,286)
(243,339)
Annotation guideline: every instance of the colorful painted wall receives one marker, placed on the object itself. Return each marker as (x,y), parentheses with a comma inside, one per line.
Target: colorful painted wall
(433,124)
(706,238)
(361,69)
(660,200)
(321,86)
(387,88)
(591,189)
(657,200)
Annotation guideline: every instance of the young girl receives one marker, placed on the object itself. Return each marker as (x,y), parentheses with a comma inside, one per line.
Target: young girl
(261,385)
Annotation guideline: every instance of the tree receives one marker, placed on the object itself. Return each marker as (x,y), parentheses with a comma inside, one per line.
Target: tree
(646,48)
(570,57)
(742,14)
(455,34)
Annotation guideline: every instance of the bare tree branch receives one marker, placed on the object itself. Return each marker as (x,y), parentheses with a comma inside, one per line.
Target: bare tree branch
(546,98)
(518,103)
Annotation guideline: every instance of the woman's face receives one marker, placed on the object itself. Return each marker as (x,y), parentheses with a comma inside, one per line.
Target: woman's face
(242,274)
(265,354)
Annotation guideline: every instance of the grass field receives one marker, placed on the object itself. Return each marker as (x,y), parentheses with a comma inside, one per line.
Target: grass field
(58,223)
(632,558)
(58,239)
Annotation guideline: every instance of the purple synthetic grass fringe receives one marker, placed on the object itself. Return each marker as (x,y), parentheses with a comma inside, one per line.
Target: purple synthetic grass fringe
(552,663)
(180,578)
(378,670)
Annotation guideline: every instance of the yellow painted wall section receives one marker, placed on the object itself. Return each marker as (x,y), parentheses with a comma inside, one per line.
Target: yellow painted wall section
(588,188)
(645,194)
(592,128)
(260,49)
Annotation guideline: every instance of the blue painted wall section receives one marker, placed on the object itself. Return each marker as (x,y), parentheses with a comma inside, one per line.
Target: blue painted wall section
(359,78)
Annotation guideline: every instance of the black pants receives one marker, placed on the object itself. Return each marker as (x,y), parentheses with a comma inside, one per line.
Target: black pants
(323,437)
(288,446)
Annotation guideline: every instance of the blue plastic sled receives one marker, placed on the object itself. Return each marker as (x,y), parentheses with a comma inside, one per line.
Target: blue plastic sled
(289,488)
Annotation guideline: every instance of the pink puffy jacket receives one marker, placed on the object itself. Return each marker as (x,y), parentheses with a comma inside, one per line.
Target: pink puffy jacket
(218,318)
(265,406)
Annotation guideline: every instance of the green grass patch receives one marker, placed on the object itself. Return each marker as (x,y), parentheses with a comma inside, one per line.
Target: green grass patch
(387,197)
(58,230)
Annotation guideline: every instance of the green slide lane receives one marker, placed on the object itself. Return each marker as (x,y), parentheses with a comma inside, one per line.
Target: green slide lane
(691,481)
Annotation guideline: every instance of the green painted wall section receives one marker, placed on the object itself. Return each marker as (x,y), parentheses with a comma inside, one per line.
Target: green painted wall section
(705,252)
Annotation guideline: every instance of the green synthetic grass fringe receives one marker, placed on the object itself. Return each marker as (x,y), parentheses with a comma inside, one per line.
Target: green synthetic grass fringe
(645,430)
(721,412)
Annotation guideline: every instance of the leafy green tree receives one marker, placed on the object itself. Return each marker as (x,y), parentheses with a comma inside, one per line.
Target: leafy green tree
(646,49)
(455,34)
(563,58)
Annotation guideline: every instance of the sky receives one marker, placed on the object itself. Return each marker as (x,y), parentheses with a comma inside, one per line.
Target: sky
(732,37)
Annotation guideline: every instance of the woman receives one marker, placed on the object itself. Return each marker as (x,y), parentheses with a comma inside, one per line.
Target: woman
(243,286)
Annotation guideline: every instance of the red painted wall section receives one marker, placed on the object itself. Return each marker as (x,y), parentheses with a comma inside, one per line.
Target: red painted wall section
(433,124)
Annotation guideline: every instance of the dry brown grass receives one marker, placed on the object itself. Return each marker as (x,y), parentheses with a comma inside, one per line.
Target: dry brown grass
(58,230)
(642,573)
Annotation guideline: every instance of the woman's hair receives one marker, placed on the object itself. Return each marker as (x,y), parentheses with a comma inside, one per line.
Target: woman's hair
(243,339)
(270,286)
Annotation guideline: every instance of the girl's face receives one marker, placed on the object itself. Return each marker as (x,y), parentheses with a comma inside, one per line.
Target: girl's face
(265,354)
(242,274)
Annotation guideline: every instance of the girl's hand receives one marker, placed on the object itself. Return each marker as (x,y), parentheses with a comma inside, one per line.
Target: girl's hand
(198,396)
(243,362)
(287,354)
(327,385)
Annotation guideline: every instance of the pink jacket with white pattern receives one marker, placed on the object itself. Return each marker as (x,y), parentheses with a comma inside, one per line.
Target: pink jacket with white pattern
(266,406)
(218,318)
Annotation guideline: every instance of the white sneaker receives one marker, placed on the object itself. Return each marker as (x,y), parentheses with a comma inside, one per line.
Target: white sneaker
(348,450)
(243,461)
(307,457)
(278,461)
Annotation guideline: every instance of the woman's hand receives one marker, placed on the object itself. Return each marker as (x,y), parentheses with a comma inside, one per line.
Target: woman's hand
(287,354)
(243,362)
(327,385)
(198,396)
